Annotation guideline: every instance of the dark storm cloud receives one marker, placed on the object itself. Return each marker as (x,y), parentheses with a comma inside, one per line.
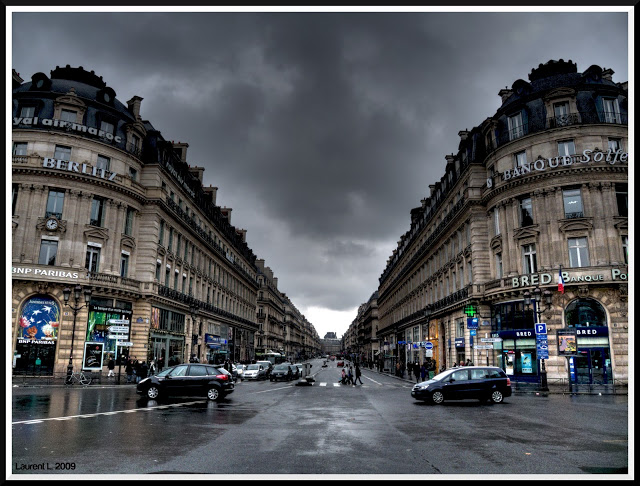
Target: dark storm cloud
(321,130)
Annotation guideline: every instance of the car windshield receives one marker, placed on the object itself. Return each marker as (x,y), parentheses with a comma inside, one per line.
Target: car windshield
(444,374)
(164,372)
(253,367)
(281,367)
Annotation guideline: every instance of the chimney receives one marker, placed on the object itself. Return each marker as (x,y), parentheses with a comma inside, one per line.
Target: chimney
(17,80)
(463,134)
(134,106)
(260,264)
(505,93)
(197,171)
(211,192)
(243,234)
(449,159)
(607,74)
(226,212)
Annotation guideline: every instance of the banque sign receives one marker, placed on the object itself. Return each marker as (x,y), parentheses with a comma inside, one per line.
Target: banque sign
(546,278)
(541,165)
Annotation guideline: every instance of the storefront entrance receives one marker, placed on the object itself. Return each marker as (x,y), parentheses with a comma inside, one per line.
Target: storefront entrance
(35,358)
(593,366)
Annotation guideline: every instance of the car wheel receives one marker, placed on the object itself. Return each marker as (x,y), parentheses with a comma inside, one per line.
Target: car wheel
(153,392)
(437,397)
(497,396)
(214,394)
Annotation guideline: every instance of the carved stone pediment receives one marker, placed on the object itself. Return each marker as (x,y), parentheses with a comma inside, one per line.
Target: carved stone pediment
(527,232)
(96,233)
(496,243)
(576,224)
(128,242)
(559,93)
(161,251)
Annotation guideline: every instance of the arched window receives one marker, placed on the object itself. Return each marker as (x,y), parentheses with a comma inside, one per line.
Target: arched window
(585,313)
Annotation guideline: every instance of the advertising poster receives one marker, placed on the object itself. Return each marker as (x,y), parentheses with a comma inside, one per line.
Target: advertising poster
(525,363)
(92,360)
(39,320)
(567,343)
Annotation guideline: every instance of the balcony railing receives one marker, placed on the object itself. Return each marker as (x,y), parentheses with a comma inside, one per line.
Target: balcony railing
(563,120)
(577,214)
(115,280)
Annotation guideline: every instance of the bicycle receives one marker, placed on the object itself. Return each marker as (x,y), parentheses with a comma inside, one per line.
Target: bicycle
(78,377)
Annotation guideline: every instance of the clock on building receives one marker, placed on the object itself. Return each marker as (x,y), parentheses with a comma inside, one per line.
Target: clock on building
(52,224)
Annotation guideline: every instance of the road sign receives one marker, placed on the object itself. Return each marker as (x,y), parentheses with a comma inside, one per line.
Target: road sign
(118,321)
(541,328)
(491,340)
(472,323)
(428,345)
(116,336)
(483,346)
(117,329)
(125,343)
(472,332)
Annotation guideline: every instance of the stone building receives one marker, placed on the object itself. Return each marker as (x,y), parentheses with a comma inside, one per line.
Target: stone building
(102,202)
(535,192)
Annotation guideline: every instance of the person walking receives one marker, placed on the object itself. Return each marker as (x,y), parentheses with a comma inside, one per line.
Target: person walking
(137,370)
(129,370)
(110,366)
(416,371)
(423,372)
(144,370)
(358,374)
(152,367)
(350,376)
(343,377)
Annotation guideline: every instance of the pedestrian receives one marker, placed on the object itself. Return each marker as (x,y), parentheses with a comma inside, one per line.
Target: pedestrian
(144,369)
(137,370)
(398,368)
(110,366)
(402,368)
(410,368)
(468,363)
(350,376)
(461,363)
(343,377)
(129,371)
(423,372)
(358,374)
(152,367)
(416,371)
(455,364)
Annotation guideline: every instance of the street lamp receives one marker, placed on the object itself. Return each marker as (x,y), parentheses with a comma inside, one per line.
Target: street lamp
(77,291)
(193,310)
(538,297)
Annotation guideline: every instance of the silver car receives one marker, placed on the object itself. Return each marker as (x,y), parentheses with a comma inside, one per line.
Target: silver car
(255,372)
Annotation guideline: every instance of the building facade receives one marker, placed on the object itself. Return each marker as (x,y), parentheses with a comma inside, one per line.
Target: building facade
(536,192)
(102,201)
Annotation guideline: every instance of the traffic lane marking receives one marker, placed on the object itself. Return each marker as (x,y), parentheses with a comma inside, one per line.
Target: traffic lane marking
(91,415)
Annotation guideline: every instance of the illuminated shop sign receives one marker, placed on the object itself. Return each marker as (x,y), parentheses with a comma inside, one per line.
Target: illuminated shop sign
(546,278)
(52,122)
(49,163)
(42,272)
(541,165)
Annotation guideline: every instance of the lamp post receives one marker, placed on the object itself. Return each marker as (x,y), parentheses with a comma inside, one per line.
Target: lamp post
(193,310)
(77,291)
(538,297)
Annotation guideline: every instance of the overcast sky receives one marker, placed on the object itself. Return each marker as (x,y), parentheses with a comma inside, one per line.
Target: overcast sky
(321,130)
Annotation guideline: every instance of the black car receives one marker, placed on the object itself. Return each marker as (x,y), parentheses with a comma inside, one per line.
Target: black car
(213,382)
(281,372)
(468,382)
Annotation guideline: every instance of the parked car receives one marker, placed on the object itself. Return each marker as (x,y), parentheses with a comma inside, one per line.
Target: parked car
(188,380)
(281,371)
(255,372)
(468,382)
(240,369)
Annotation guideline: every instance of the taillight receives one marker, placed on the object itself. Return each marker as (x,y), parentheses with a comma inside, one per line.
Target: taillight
(508,381)
(222,377)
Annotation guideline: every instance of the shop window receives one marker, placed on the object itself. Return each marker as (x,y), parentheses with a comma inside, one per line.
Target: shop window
(48,252)
(55,202)
(92,261)
(529,264)
(578,252)
(572,203)
(20,148)
(585,313)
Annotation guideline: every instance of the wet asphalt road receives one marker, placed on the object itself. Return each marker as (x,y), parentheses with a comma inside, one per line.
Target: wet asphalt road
(284,429)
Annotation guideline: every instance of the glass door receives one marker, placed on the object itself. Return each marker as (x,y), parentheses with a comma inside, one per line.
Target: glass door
(593,366)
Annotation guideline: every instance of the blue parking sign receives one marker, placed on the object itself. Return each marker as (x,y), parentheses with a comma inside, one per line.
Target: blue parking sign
(541,328)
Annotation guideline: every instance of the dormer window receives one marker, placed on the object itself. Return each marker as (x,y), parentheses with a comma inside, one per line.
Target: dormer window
(69,116)
(516,126)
